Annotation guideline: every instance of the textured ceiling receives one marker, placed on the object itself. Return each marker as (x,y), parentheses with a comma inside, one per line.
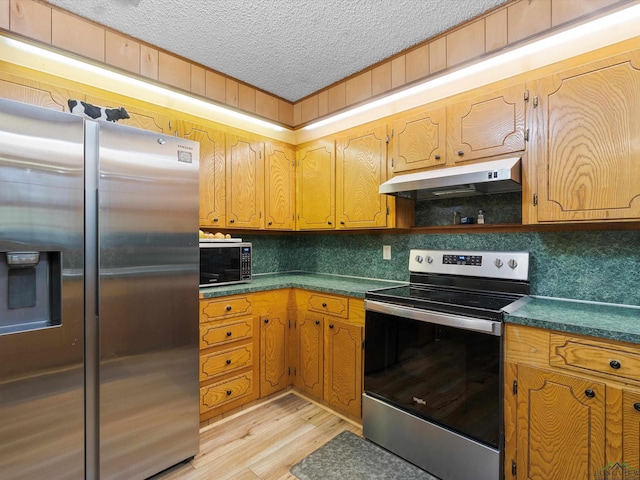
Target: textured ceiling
(286,47)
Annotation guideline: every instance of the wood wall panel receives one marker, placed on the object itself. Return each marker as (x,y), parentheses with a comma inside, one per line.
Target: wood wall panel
(398,72)
(285,112)
(4,14)
(527,18)
(337,97)
(417,63)
(215,87)
(246,98)
(76,35)
(358,88)
(323,103)
(266,105)
(31,19)
(198,80)
(565,11)
(149,62)
(297,113)
(465,43)
(122,52)
(231,92)
(495,30)
(174,71)
(438,55)
(309,109)
(381,79)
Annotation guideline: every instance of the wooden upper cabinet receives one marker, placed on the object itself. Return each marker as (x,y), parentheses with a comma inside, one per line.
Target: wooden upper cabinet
(140,116)
(561,425)
(361,160)
(212,172)
(418,140)
(486,125)
(316,184)
(586,149)
(245,183)
(280,187)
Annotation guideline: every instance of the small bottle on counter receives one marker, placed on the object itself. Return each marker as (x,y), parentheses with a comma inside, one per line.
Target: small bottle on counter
(456,218)
(480,218)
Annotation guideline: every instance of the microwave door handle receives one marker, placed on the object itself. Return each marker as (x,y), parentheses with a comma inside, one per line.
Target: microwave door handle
(479,325)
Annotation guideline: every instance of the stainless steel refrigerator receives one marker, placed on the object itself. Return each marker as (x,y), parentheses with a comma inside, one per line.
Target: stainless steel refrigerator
(99,271)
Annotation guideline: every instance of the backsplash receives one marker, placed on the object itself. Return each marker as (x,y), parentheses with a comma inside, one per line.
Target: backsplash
(601,266)
(502,208)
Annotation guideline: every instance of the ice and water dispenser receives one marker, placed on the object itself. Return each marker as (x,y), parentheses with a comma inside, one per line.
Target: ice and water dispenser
(32,283)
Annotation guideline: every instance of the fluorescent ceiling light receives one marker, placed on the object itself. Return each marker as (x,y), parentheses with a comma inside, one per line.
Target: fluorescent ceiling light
(566,37)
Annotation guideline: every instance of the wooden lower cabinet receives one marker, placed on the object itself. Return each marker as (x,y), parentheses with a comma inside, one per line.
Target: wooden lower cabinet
(274,361)
(571,412)
(309,361)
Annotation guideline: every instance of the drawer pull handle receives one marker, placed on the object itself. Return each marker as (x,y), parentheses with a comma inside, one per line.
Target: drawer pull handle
(331,325)
(324,305)
(317,322)
(228,308)
(637,406)
(614,364)
(228,392)
(589,393)
(266,320)
(229,334)
(228,362)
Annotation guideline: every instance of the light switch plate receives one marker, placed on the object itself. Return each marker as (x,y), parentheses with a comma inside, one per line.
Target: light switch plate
(386,252)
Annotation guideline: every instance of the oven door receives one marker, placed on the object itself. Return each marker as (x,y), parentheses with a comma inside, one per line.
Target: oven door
(442,368)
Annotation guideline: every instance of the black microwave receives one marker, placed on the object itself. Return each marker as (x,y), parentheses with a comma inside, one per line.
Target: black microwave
(224,263)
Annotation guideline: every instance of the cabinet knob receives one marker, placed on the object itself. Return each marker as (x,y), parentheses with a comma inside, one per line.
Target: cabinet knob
(331,325)
(637,406)
(228,362)
(341,222)
(228,334)
(324,304)
(215,219)
(460,153)
(266,320)
(330,222)
(317,322)
(231,220)
(270,223)
(228,392)
(614,364)
(437,157)
(228,308)
(589,393)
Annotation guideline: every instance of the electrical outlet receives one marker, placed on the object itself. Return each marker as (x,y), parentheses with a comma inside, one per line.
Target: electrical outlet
(386,252)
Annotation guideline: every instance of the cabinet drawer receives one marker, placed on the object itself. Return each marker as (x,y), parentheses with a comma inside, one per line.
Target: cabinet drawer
(225,361)
(221,393)
(595,357)
(219,333)
(224,308)
(336,306)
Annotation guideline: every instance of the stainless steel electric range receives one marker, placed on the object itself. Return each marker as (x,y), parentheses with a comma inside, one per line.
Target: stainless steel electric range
(433,364)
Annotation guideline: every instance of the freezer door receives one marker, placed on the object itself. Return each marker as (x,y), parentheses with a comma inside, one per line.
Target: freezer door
(148,301)
(41,293)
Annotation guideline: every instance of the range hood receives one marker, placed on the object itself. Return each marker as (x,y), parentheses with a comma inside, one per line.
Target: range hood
(495,176)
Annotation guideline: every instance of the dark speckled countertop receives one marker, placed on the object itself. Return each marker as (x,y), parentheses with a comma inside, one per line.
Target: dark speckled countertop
(603,320)
(340,285)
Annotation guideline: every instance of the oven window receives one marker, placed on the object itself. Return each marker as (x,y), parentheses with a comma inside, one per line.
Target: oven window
(219,265)
(442,374)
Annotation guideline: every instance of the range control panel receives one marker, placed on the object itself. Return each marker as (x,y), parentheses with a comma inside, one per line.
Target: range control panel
(505,265)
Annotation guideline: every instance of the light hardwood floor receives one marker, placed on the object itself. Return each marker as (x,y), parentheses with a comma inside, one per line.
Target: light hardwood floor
(262,443)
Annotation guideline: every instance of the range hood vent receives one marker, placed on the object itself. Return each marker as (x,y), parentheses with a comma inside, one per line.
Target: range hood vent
(495,176)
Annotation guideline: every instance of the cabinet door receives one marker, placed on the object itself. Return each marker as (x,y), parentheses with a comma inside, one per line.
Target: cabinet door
(35,92)
(560,426)
(486,125)
(418,141)
(273,353)
(630,428)
(309,361)
(361,160)
(280,187)
(212,172)
(245,182)
(316,183)
(343,366)
(587,152)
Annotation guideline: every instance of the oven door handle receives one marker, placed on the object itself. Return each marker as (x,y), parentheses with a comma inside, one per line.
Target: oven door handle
(480,325)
